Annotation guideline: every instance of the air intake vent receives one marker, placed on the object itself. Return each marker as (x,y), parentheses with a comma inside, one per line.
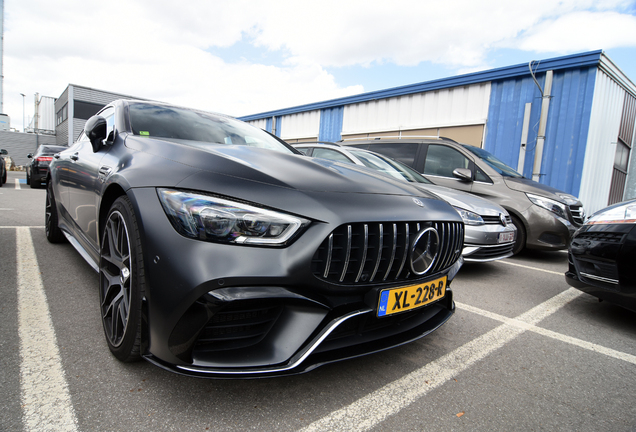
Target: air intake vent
(363,253)
(578,214)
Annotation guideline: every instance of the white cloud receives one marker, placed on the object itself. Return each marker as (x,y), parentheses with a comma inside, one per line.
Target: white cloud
(160,49)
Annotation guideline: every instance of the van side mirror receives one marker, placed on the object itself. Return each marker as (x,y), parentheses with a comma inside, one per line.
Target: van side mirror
(463,174)
(95,130)
(3,152)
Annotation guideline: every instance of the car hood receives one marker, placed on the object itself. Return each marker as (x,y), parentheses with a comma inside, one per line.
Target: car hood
(264,166)
(530,186)
(465,200)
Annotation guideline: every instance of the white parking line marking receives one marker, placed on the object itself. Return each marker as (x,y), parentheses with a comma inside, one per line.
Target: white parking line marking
(46,401)
(7,209)
(531,268)
(374,408)
(17,184)
(551,334)
(20,226)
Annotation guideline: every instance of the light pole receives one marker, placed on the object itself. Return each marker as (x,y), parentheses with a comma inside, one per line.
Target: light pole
(22,112)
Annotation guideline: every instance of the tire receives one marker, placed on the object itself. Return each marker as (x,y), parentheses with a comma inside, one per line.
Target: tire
(520,241)
(51,229)
(34,183)
(28,178)
(121,281)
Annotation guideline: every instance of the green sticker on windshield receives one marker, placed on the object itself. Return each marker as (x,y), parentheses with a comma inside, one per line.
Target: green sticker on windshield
(144,133)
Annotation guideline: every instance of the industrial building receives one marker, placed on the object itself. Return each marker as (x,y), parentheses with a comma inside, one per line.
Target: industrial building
(567,122)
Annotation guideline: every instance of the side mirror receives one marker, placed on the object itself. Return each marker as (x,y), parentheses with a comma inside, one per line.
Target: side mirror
(95,130)
(30,155)
(463,174)
(3,152)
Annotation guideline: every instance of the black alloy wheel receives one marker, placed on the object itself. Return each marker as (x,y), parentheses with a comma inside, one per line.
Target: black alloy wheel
(121,280)
(520,241)
(51,229)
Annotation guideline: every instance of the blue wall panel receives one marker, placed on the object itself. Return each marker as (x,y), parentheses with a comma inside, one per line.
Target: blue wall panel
(566,131)
(331,124)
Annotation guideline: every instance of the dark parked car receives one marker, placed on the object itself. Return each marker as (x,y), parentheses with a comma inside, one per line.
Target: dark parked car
(223,252)
(488,230)
(38,167)
(603,254)
(3,167)
(545,217)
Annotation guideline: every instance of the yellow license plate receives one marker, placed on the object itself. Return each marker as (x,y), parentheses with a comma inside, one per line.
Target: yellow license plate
(402,299)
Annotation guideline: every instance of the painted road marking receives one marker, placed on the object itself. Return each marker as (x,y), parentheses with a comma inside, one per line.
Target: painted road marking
(46,401)
(17,184)
(531,268)
(551,334)
(374,408)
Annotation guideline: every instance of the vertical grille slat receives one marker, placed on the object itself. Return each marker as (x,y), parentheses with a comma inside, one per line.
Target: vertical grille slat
(406,250)
(365,249)
(379,255)
(390,266)
(360,253)
(347,254)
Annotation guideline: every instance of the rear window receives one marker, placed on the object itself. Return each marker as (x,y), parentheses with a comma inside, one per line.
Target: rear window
(403,152)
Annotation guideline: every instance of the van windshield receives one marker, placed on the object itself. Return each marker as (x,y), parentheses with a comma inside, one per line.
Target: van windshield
(493,162)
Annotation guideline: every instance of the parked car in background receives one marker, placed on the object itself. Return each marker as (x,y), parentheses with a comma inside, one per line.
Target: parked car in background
(489,233)
(545,217)
(602,255)
(3,167)
(223,252)
(38,166)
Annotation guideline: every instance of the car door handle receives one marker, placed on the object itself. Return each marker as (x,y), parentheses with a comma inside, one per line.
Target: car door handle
(75,156)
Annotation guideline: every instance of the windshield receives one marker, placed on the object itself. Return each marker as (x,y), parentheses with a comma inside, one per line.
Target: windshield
(163,121)
(389,167)
(493,162)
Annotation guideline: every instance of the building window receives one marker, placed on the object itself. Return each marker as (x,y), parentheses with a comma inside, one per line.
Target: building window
(85,110)
(62,115)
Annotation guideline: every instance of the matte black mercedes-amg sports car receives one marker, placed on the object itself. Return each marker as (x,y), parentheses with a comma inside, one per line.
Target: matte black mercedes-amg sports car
(602,255)
(224,252)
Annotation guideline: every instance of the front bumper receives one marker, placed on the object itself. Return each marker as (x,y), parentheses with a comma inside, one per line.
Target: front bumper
(483,242)
(238,311)
(546,231)
(600,263)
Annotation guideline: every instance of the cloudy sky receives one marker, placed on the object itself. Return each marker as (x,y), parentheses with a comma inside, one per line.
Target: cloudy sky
(243,57)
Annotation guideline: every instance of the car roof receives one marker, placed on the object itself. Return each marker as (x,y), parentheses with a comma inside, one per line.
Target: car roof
(395,139)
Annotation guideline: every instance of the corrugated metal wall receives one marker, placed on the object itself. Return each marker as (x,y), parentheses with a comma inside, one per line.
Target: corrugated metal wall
(331,124)
(567,127)
(600,148)
(463,105)
(302,125)
(20,144)
(261,123)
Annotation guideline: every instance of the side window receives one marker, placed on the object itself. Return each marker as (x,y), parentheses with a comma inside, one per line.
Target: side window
(404,152)
(442,160)
(331,155)
(481,176)
(305,150)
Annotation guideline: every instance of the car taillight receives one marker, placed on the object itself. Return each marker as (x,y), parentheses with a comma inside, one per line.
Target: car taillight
(44,159)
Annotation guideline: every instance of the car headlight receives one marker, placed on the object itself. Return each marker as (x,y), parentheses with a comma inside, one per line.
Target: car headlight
(625,213)
(209,218)
(469,217)
(549,204)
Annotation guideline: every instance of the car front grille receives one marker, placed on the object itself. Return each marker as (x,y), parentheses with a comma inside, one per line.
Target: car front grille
(363,253)
(491,252)
(601,236)
(578,214)
(496,220)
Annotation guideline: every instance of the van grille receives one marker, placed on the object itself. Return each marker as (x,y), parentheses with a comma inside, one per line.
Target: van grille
(578,214)
(363,253)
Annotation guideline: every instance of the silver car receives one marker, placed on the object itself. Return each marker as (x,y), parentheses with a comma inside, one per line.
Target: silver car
(489,234)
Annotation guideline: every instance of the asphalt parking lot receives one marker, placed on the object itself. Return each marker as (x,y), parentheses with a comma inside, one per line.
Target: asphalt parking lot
(523,352)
